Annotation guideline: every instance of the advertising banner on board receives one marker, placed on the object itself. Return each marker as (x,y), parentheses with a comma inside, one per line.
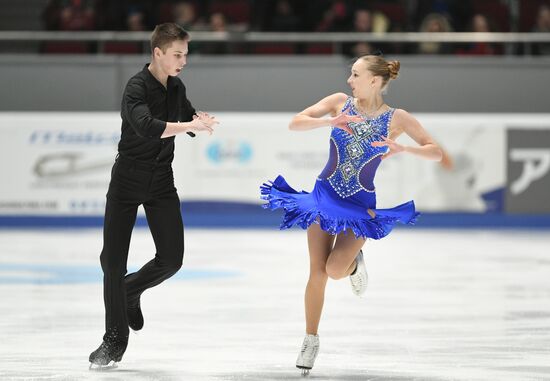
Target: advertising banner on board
(59,163)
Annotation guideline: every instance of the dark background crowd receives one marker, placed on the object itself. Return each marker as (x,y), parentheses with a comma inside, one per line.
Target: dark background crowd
(308,16)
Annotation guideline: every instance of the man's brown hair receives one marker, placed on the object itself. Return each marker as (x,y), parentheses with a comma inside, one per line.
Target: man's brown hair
(165,34)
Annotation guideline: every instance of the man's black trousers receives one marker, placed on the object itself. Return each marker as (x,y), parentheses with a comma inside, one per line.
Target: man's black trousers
(133,184)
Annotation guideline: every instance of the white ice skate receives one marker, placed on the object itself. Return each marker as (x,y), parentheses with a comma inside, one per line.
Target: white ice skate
(359,279)
(308,353)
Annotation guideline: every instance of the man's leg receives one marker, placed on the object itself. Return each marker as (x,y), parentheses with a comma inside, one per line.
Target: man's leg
(166,225)
(119,221)
(120,218)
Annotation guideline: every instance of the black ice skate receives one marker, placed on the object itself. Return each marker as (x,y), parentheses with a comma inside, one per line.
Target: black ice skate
(135,317)
(107,355)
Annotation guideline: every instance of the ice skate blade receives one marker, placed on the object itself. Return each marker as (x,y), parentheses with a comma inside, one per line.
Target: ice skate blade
(305,371)
(101,368)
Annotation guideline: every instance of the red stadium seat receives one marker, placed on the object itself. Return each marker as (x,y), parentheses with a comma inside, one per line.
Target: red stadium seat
(274,49)
(66,47)
(320,49)
(116,47)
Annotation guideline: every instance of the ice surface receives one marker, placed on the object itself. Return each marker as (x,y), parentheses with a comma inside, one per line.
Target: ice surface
(441,305)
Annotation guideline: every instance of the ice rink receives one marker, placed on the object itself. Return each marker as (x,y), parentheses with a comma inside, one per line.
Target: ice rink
(441,305)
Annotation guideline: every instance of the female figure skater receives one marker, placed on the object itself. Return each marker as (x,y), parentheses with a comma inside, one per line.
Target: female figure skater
(340,213)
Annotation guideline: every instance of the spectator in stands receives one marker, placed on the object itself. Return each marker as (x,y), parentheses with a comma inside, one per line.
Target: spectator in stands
(434,23)
(69,15)
(458,12)
(78,15)
(217,23)
(135,21)
(542,26)
(480,24)
(335,18)
(114,15)
(364,21)
(185,15)
(284,18)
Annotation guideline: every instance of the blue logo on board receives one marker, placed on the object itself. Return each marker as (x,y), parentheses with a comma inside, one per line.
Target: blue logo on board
(219,152)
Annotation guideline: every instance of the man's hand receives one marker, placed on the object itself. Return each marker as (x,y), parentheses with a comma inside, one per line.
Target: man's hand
(341,121)
(202,121)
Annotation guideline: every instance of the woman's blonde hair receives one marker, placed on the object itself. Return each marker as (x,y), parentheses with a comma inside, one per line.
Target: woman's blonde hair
(379,66)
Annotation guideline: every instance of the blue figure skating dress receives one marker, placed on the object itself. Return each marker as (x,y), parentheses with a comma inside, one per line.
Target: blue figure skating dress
(344,195)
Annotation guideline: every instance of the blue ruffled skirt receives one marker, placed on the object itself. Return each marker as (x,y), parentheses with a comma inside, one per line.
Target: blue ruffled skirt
(333,213)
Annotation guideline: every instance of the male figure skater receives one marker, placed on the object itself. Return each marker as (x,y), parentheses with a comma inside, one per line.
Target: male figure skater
(154,109)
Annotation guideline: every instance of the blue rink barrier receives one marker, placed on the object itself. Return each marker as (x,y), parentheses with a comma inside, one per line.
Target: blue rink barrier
(244,215)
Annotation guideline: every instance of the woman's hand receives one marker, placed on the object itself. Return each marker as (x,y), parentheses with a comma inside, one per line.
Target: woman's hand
(394,147)
(341,121)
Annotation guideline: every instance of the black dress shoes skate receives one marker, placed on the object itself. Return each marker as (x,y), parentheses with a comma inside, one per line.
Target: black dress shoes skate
(107,355)
(135,317)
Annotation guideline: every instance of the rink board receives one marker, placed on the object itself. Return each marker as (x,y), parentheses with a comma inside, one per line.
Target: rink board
(56,168)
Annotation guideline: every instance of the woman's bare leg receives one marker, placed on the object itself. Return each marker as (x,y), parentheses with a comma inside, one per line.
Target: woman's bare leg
(320,245)
(341,261)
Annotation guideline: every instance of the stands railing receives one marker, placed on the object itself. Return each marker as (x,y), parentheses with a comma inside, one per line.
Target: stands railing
(336,39)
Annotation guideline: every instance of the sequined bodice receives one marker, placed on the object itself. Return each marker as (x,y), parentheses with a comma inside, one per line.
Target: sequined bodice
(353,160)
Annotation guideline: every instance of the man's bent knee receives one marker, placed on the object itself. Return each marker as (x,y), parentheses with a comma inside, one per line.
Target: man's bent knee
(174,263)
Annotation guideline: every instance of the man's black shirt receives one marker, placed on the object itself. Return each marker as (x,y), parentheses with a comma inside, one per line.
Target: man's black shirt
(146,107)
